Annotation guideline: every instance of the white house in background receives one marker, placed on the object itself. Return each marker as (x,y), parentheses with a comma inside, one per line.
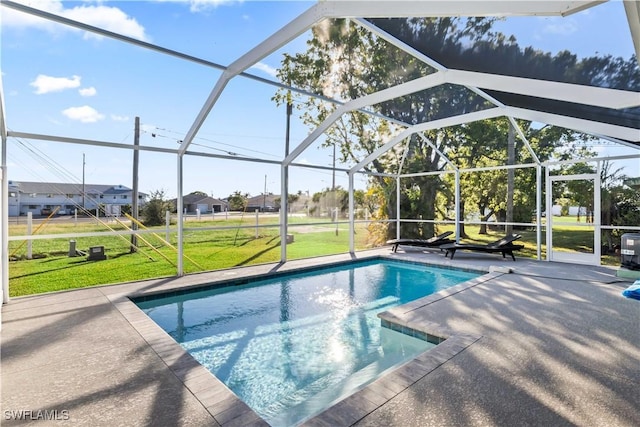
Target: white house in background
(42,198)
(197,201)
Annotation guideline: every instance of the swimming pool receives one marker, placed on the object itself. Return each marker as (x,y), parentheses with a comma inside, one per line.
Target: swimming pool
(292,345)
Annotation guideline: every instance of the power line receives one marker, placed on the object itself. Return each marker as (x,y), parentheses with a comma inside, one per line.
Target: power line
(64,175)
(156,134)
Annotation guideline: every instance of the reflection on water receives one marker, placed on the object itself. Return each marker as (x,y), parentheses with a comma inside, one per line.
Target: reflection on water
(291,346)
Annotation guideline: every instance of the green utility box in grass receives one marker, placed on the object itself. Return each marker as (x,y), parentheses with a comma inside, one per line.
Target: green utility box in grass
(96,253)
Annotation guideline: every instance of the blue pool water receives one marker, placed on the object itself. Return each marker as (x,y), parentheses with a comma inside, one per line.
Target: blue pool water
(290,346)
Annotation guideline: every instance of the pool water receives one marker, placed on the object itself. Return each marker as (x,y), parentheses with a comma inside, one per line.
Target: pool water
(291,346)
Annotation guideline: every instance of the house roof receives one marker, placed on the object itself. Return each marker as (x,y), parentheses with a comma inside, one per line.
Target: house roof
(29,187)
(192,199)
(268,200)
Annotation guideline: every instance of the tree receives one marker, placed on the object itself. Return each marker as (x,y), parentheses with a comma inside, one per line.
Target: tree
(153,212)
(345,61)
(291,198)
(620,205)
(327,200)
(238,201)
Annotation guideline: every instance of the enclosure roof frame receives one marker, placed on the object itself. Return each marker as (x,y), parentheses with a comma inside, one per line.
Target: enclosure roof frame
(357,10)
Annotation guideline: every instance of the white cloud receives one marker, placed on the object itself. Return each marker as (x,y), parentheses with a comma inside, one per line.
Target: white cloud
(201,5)
(84,114)
(47,84)
(560,26)
(12,18)
(87,91)
(106,17)
(117,118)
(148,128)
(265,68)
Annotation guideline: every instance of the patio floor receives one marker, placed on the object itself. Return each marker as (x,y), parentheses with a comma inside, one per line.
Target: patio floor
(548,344)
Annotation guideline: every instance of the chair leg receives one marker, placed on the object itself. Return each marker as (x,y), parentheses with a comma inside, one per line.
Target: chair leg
(453,252)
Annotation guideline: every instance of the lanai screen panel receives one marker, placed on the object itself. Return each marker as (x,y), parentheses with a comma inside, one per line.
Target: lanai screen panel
(493,54)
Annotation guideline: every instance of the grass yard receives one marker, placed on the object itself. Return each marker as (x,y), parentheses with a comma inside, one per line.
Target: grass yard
(567,237)
(51,268)
(205,249)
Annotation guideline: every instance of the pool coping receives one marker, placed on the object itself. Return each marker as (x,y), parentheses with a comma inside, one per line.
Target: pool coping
(229,410)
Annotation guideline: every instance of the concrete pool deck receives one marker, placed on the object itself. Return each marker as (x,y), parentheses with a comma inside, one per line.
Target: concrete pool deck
(549,344)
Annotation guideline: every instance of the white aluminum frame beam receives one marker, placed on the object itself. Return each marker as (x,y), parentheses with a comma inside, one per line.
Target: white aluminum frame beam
(443,8)
(589,160)
(434,124)
(429,61)
(355,9)
(580,94)
(603,97)
(429,173)
(618,141)
(163,50)
(403,89)
(287,33)
(394,41)
(579,125)
(563,91)
(4,204)
(523,137)
(440,153)
(632,9)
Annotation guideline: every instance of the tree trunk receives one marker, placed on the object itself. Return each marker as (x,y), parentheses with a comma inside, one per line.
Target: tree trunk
(511,159)
(391,211)
(461,233)
(427,208)
(484,218)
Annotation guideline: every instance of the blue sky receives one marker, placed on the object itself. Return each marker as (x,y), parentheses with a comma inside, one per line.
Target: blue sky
(66,82)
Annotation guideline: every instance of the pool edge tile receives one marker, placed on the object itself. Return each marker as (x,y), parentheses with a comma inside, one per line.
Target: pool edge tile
(227,409)
(196,378)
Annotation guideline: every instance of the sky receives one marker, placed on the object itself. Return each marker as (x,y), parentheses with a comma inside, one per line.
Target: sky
(66,82)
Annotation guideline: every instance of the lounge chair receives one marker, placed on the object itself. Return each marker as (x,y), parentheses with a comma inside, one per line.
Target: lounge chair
(432,242)
(504,246)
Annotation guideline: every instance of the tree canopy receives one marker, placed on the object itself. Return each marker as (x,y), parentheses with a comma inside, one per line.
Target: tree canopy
(345,61)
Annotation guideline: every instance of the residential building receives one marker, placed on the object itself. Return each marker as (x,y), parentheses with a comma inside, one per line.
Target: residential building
(264,203)
(198,201)
(271,203)
(43,198)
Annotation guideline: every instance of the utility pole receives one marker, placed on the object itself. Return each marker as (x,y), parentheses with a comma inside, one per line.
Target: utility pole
(511,160)
(285,197)
(134,190)
(333,178)
(333,189)
(83,184)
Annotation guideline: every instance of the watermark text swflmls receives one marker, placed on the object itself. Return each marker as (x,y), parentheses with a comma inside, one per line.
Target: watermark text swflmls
(35,415)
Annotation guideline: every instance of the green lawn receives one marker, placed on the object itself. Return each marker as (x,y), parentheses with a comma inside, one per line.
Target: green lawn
(566,238)
(51,269)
